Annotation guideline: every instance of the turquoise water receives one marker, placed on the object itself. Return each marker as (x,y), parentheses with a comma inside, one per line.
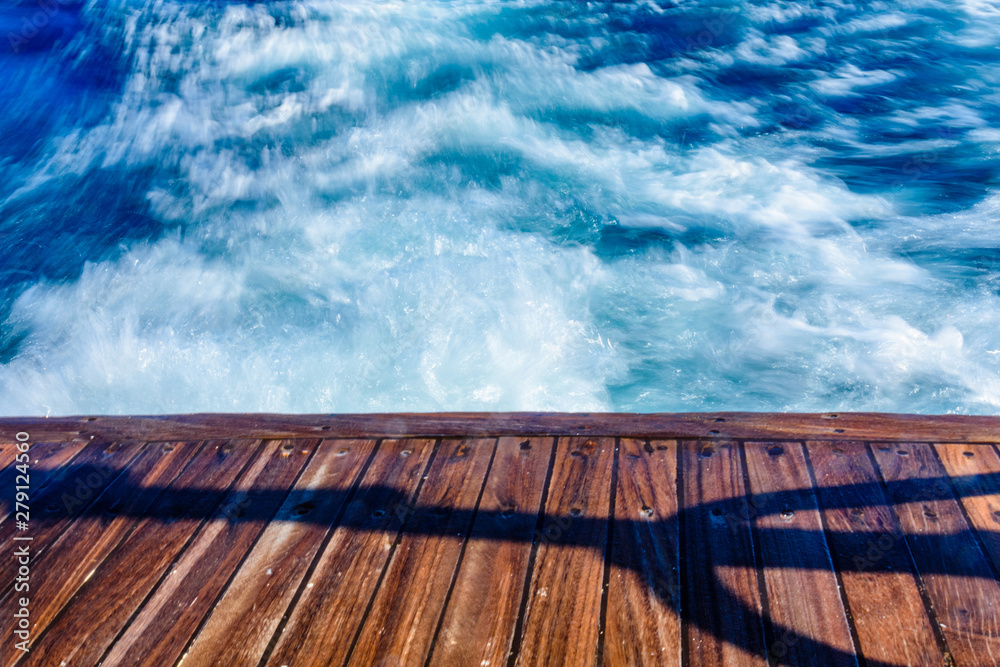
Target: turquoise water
(381,206)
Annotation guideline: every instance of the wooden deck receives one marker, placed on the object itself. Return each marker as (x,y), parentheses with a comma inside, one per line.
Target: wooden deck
(491,539)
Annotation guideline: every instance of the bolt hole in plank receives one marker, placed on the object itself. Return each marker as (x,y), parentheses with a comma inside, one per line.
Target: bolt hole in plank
(721,603)
(950,556)
(643,625)
(880,584)
(568,575)
(800,581)
(513,545)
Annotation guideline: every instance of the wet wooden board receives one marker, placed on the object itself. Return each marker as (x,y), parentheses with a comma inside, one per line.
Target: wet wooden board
(954,570)
(503,540)
(63,568)
(73,491)
(329,610)
(479,623)
(170,617)
(869,549)
(748,425)
(809,629)
(8,451)
(643,612)
(975,473)
(117,589)
(45,459)
(562,607)
(245,619)
(405,610)
(722,602)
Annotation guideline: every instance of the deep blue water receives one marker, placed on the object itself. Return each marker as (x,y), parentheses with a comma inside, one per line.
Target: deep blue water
(367,206)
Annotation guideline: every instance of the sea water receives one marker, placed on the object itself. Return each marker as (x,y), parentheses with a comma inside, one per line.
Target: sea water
(338,206)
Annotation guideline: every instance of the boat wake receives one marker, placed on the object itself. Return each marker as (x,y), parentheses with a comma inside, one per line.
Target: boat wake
(407,206)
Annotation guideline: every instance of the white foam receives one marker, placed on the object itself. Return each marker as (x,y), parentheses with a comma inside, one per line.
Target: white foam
(358,235)
(850,77)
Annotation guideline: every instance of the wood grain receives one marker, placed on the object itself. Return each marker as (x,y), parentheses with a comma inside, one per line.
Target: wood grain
(496,548)
(870,551)
(562,617)
(407,606)
(809,622)
(107,600)
(246,617)
(974,472)
(45,461)
(8,451)
(721,605)
(61,570)
(720,425)
(955,573)
(328,613)
(479,622)
(171,616)
(75,489)
(644,605)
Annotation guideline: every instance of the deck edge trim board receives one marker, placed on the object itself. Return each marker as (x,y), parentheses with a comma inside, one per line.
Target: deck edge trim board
(866,426)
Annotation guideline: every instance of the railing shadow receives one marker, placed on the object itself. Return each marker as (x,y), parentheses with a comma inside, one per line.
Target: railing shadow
(383,508)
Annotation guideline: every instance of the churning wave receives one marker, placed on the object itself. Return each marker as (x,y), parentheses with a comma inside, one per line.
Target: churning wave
(337,206)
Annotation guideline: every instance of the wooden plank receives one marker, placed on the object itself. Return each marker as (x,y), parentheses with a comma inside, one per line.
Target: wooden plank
(329,610)
(245,619)
(721,606)
(808,618)
(9,446)
(58,572)
(479,622)
(8,451)
(643,613)
(378,570)
(975,474)
(45,460)
(407,606)
(104,604)
(563,612)
(870,552)
(955,573)
(172,615)
(71,491)
(702,425)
